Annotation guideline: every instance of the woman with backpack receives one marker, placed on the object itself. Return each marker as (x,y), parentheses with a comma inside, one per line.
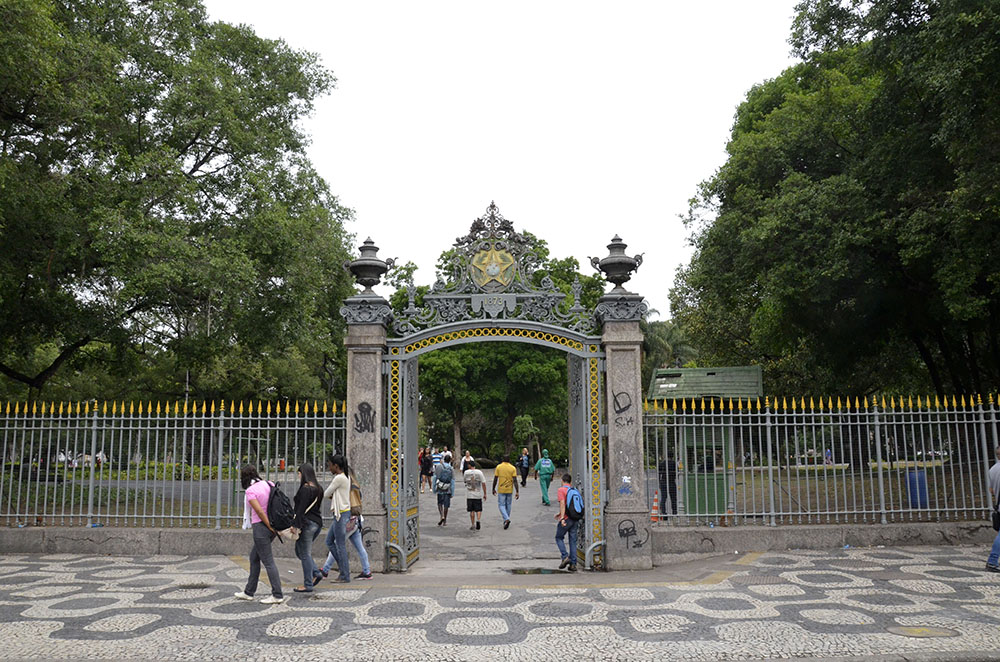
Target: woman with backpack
(308,522)
(339,492)
(355,530)
(258,493)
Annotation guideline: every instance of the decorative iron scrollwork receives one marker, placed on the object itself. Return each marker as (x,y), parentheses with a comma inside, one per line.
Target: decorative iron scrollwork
(366,310)
(489,276)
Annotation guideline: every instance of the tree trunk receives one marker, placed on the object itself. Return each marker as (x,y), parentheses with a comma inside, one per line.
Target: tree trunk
(508,436)
(456,433)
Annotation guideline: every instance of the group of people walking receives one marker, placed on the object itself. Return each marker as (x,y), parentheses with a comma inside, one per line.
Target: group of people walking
(440,476)
(347,525)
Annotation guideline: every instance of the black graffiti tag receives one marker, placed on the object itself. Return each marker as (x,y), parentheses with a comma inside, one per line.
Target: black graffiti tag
(364,420)
(627,530)
(622,402)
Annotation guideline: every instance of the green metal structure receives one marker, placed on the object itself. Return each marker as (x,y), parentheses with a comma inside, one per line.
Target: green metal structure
(703,443)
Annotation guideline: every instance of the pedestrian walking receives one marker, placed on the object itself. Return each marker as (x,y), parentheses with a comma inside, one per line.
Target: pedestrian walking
(544,469)
(524,466)
(436,456)
(568,520)
(258,493)
(504,484)
(474,481)
(339,492)
(667,475)
(993,562)
(467,460)
(355,534)
(307,523)
(444,487)
(426,470)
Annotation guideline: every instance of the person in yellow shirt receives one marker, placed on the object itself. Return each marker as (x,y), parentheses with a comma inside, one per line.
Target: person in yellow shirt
(504,486)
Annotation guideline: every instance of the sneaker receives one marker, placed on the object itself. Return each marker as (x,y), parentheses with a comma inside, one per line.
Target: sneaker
(326,573)
(572,567)
(477,525)
(506,524)
(992,568)
(341,580)
(565,562)
(271,600)
(242,596)
(365,575)
(472,528)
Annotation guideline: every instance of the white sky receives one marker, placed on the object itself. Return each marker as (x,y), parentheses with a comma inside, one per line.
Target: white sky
(582,120)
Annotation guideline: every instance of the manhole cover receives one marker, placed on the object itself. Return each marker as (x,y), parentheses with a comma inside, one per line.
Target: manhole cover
(922,632)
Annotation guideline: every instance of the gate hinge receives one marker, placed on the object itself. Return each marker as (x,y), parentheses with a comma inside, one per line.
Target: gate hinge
(603,430)
(385,367)
(600,365)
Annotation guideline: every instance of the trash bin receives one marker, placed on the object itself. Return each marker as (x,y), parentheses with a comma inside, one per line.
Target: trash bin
(916,487)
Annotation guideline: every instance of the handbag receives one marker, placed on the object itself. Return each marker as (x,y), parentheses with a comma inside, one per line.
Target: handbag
(995,516)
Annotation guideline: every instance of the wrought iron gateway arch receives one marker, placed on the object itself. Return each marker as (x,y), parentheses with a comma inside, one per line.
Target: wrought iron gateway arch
(486,294)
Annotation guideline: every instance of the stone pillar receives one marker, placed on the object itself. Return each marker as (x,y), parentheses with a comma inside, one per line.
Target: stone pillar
(627,534)
(366,333)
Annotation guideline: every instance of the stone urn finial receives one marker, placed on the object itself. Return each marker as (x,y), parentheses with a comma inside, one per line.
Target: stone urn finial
(617,267)
(368,268)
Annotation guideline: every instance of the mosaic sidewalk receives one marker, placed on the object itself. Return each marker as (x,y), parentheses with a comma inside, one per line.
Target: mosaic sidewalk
(853,602)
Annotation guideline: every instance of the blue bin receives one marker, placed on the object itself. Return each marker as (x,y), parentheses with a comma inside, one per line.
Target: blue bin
(916,487)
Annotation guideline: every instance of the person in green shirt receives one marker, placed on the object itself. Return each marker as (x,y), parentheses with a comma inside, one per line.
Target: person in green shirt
(545,468)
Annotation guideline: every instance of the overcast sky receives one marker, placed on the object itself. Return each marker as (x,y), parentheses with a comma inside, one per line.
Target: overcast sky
(582,120)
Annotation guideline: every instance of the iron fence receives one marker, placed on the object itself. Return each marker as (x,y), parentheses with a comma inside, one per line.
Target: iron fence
(152,464)
(713,461)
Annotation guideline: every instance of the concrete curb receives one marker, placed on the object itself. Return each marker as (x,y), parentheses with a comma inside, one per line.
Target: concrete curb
(728,540)
(667,541)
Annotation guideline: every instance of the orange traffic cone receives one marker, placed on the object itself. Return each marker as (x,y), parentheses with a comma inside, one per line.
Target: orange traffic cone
(654,516)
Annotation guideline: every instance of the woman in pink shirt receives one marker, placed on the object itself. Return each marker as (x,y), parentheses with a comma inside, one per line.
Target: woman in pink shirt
(258,492)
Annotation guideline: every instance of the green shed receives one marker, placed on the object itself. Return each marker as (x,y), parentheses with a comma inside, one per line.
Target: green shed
(702,447)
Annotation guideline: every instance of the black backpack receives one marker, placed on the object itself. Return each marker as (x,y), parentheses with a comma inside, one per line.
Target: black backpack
(574,504)
(280,510)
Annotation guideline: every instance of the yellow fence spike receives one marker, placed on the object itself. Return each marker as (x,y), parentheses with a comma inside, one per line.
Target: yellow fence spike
(34,407)
(937,402)
(325,406)
(953,403)
(979,399)
(268,407)
(296,408)
(213,408)
(7,412)
(963,401)
(114,407)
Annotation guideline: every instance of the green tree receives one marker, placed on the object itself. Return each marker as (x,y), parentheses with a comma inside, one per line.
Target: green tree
(155,195)
(846,242)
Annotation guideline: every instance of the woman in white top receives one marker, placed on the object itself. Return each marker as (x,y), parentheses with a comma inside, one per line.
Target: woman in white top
(339,492)
(467,459)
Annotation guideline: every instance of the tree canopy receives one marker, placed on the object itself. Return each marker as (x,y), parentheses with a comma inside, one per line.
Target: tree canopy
(849,242)
(160,223)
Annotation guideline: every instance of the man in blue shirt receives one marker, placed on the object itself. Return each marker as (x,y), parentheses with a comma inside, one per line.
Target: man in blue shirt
(524,465)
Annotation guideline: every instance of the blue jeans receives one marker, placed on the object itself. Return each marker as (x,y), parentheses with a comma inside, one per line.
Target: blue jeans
(504,502)
(994,558)
(303,550)
(336,542)
(571,526)
(359,544)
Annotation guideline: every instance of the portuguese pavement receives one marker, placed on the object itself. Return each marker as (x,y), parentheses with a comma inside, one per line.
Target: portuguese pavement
(929,603)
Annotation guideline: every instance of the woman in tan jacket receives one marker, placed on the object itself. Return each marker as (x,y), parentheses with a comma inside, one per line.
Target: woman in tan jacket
(339,492)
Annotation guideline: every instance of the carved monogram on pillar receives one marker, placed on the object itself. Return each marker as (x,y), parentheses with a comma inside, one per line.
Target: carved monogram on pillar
(489,275)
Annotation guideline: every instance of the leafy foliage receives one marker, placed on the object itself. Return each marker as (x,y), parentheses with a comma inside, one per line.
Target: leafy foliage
(849,241)
(161,223)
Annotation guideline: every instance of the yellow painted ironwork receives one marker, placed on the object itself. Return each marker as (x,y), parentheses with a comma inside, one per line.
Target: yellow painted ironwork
(394,453)
(546,337)
(595,450)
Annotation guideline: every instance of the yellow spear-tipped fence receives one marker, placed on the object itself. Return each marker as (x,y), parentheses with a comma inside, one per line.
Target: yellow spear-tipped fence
(153,463)
(876,458)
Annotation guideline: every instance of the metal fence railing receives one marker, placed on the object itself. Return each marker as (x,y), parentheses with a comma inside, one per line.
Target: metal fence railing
(147,464)
(742,462)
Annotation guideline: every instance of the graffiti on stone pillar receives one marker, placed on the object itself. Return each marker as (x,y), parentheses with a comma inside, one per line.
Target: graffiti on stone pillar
(622,403)
(364,420)
(628,531)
